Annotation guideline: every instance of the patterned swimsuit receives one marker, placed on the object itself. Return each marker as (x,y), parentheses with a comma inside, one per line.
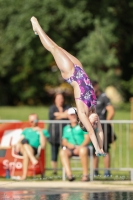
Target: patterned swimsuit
(87,94)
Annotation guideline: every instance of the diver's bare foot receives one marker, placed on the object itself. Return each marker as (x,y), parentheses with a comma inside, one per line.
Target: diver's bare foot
(34,23)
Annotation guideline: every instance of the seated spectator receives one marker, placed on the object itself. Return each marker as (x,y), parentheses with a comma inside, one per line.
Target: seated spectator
(30,139)
(75,143)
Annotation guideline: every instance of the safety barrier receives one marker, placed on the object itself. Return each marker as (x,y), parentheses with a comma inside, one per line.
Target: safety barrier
(121,150)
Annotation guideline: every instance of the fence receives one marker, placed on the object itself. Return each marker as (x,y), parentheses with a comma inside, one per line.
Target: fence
(121,150)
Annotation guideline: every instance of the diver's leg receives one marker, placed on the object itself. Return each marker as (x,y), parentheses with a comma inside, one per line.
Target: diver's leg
(63,62)
(72,58)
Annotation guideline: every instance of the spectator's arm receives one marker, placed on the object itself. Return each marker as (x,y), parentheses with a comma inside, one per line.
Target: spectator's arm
(20,139)
(61,115)
(109,107)
(51,113)
(42,139)
(86,141)
(110,112)
(67,144)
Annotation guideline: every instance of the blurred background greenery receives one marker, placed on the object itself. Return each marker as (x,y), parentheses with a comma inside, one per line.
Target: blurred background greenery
(22,112)
(99,33)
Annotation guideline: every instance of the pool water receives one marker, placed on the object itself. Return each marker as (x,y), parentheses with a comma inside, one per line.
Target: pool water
(62,194)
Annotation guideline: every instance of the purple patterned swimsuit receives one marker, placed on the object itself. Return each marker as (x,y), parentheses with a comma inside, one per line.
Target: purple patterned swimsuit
(87,94)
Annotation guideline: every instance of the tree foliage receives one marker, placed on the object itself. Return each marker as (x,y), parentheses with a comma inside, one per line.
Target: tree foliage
(99,33)
(97,53)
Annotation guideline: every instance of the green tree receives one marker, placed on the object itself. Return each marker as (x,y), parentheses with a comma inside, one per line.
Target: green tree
(25,64)
(99,33)
(98,53)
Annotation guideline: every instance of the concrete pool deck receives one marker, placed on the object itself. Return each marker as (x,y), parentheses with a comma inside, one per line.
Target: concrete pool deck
(65,185)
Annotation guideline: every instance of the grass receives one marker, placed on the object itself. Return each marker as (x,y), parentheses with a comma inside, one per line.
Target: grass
(121,113)
(22,112)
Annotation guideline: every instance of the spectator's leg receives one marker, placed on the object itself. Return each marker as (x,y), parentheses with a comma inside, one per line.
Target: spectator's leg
(54,167)
(54,153)
(95,164)
(65,159)
(83,153)
(107,164)
(107,160)
(29,150)
(25,162)
(18,147)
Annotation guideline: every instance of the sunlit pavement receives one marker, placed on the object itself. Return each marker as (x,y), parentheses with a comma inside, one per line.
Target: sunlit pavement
(92,186)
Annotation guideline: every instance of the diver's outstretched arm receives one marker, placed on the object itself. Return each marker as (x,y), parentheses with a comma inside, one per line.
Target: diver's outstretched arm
(85,120)
(100,134)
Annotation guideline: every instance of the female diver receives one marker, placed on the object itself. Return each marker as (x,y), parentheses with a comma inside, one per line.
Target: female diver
(72,71)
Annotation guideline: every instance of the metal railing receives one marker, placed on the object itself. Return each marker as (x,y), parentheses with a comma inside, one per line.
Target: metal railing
(121,151)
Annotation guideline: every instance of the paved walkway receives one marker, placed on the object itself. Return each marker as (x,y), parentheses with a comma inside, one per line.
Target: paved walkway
(56,185)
